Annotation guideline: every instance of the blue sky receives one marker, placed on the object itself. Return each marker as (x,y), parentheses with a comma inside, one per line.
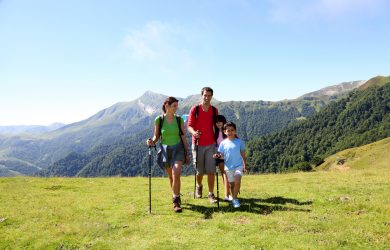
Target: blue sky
(63,61)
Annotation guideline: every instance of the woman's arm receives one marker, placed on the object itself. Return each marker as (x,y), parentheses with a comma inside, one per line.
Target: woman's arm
(156,136)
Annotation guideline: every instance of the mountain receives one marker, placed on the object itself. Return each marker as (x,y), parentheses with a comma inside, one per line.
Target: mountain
(376,81)
(108,126)
(332,92)
(128,157)
(358,119)
(100,141)
(29,129)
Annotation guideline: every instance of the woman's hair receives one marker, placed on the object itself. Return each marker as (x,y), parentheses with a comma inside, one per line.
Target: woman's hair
(219,118)
(169,101)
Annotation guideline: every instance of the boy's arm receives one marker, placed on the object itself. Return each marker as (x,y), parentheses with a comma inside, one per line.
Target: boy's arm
(243,155)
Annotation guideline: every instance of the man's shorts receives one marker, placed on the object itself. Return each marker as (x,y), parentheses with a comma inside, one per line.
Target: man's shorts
(204,157)
(238,171)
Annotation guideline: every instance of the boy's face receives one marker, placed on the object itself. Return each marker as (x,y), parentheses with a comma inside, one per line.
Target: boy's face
(230,132)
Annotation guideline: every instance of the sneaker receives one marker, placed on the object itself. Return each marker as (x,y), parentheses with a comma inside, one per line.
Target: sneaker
(198,193)
(236,203)
(176,204)
(212,198)
(230,198)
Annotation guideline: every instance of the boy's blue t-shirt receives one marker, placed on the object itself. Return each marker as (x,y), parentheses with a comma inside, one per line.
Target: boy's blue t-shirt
(231,151)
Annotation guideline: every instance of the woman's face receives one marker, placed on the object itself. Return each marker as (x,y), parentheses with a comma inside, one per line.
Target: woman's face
(173,107)
(219,125)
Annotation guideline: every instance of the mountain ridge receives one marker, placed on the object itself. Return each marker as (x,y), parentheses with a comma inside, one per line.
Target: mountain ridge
(135,118)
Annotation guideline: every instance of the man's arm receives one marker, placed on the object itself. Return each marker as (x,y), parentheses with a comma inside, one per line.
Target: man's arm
(191,123)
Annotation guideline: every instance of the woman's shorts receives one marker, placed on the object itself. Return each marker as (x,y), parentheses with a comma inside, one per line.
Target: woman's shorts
(174,153)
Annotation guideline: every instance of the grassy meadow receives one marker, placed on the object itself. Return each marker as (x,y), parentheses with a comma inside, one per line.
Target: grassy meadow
(318,210)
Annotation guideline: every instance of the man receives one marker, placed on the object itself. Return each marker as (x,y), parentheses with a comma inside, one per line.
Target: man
(201,126)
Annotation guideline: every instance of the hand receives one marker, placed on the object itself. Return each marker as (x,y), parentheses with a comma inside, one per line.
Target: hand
(217,156)
(149,142)
(245,169)
(196,134)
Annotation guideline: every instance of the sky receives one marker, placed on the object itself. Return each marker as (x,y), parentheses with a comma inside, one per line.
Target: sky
(63,61)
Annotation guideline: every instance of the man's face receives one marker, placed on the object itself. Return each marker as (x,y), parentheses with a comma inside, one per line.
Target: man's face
(206,97)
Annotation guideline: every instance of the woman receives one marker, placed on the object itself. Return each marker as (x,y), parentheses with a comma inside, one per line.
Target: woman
(173,145)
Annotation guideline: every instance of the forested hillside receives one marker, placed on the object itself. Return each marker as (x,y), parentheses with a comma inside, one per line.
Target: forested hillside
(127,156)
(361,118)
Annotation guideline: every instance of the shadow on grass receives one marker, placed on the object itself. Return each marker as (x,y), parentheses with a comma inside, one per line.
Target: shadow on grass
(252,205)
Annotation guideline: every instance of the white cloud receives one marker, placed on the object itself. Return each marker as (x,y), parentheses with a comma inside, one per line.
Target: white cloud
(149,42)
(168,44)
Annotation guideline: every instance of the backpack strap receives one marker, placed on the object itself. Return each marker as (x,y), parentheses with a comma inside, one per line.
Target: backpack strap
(196,112)
(178,120)
(161,120)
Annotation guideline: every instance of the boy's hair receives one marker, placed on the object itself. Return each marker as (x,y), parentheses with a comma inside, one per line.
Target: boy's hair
(207,89)
(229,124)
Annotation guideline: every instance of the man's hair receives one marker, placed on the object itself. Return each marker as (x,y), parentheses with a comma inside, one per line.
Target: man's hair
(169,101)
(229,124)
(207,89)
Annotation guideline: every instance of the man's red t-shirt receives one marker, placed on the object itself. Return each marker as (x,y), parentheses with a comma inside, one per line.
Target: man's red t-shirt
(204,124)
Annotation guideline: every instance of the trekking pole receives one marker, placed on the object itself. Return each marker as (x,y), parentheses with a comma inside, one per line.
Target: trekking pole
(150,178)
(196,164)
(216,175)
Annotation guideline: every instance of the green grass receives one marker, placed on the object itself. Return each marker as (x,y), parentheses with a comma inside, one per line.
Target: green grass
(371,155)
(318,210)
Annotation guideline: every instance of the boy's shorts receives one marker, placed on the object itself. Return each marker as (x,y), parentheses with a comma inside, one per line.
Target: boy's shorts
(231,173)
(205,161)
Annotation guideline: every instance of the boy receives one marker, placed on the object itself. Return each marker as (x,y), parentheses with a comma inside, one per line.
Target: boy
(232,149)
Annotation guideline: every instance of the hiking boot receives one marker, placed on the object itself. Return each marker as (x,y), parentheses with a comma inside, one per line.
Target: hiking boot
(236,203)
(198,193)
(177,204)
(212,198)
